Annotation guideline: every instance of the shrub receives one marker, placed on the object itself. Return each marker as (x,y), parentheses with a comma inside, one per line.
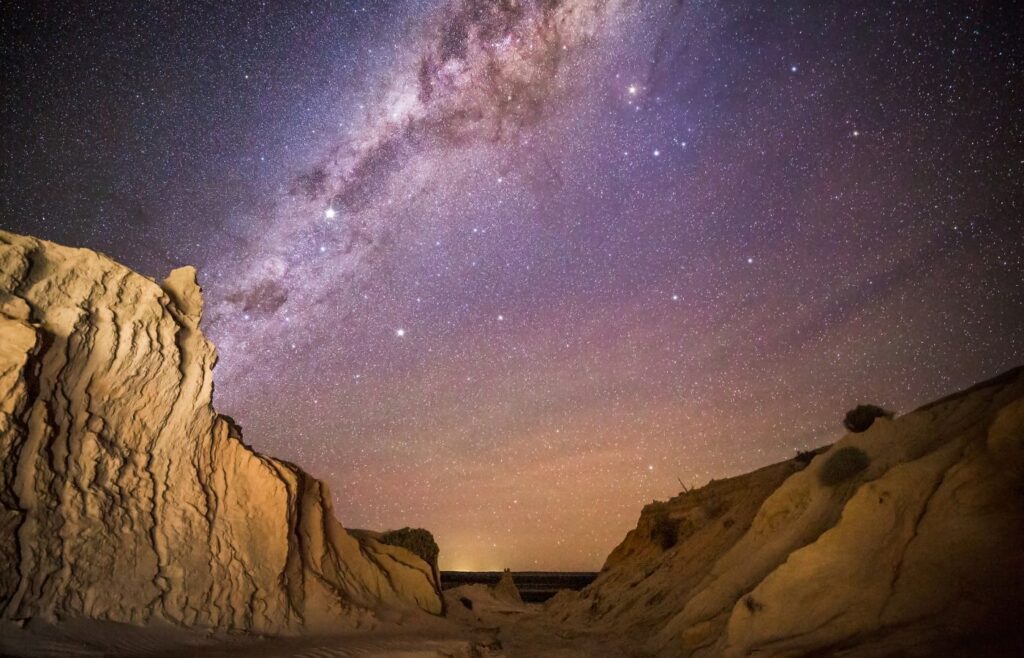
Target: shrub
(804,456)
(665,532)
(842,465)
(861,417)
(415,540)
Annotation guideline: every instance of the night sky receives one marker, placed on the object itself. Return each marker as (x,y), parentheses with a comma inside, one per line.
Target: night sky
(510,269)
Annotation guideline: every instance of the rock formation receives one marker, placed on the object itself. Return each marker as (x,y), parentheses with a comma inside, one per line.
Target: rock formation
(506,590)
(125,497)
(912,547)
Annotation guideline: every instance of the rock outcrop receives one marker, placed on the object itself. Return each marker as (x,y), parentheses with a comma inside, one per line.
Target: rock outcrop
(914,548)
(125,497)
(506,590)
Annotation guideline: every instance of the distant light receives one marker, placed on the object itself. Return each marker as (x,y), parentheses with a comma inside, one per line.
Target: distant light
(856,133)
(675,298)
(632,90)
(792,69)
(330,213)
(400,333)
(750,261)
(501,318)
(657,152)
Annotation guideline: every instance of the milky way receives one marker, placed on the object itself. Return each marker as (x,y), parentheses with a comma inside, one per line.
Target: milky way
(510,270)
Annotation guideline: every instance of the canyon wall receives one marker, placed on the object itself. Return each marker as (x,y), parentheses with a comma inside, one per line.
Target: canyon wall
(125,497)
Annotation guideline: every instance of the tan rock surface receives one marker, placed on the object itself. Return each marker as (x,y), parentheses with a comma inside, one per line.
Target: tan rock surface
(125,497)
(917,554)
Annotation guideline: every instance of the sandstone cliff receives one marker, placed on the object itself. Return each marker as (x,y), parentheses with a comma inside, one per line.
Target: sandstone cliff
(915,550)
(125,497)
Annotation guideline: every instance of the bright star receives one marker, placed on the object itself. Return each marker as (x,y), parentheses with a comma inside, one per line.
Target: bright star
(330,213)
(750,261)
(400,333)
(632,90)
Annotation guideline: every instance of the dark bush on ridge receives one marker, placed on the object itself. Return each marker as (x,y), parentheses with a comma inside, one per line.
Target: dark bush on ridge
(804,456)
(842,465)
(415,540)
(665,532)
(861,417)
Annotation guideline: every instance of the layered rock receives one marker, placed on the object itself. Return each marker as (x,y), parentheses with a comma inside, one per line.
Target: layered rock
(916,550)
(124,496)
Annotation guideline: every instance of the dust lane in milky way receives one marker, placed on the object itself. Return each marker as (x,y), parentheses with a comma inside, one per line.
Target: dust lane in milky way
(510,270)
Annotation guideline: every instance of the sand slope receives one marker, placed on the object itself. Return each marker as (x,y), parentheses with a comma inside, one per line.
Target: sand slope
(919,552)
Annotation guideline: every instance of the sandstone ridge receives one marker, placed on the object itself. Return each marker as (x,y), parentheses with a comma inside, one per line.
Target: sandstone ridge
(125,497)
(916,551)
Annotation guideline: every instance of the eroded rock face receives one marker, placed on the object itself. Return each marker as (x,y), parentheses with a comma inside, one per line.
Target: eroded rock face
(918,553)
(124,496)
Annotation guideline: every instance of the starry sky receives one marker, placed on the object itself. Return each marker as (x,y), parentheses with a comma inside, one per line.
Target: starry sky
(511,269)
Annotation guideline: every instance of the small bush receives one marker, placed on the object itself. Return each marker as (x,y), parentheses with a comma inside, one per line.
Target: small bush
(861,417)
(842,465)
(415,540)
(665,532)
(805,456)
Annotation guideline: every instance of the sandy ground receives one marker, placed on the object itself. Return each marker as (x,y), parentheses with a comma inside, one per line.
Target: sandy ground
(497,630)
(109,639)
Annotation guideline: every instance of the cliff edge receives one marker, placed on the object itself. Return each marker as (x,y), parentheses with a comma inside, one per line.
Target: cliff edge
(125,497)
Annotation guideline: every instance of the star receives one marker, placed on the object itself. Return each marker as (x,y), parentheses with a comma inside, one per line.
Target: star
(480,166)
